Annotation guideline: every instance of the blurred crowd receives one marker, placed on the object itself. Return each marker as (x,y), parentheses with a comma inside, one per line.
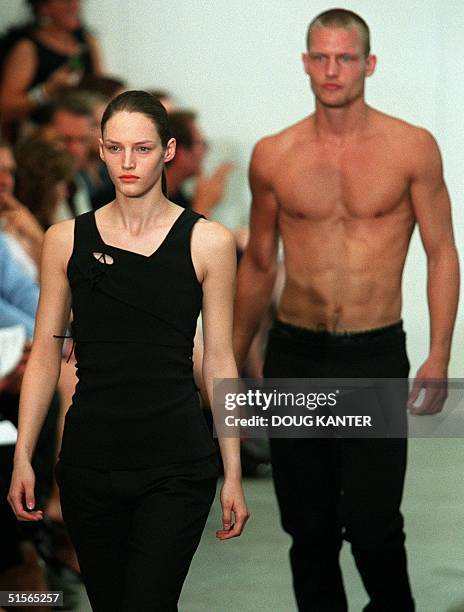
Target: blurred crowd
(53,91)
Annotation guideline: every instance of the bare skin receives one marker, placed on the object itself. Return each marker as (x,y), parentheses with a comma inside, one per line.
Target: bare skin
(344,188)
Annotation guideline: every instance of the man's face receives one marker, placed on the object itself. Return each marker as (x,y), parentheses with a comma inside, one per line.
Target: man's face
(76,133)
(337,66)
(7,170)
(192,158)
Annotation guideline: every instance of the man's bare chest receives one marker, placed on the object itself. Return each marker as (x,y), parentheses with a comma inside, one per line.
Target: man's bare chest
(358,184)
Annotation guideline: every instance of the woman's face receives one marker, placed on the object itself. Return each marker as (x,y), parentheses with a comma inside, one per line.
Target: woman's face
(133,153)
(64,14)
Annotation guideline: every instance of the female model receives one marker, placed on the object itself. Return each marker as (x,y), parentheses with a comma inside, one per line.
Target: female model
(137,469)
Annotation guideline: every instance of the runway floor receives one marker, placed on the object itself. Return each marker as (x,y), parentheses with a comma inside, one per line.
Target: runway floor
(251,574)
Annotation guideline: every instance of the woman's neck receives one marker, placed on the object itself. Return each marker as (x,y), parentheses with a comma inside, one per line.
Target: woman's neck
(136,213)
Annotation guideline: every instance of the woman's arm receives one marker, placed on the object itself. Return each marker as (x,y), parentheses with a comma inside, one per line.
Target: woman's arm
(43,368)
(17,99)
(214,258)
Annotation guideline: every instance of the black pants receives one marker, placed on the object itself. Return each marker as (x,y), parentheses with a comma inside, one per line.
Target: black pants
(334,489)
(135,532)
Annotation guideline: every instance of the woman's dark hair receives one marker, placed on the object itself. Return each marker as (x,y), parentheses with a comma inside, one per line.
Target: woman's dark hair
(138,101)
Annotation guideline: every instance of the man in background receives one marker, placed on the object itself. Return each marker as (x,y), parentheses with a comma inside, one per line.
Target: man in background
(344,189)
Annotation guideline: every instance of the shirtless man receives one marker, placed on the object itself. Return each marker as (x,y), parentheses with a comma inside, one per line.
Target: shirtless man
(344,189)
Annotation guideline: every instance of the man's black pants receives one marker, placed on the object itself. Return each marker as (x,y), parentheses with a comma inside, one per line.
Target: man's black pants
(334,489)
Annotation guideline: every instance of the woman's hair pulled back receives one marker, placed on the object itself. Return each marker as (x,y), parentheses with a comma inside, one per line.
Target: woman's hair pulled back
(138,101)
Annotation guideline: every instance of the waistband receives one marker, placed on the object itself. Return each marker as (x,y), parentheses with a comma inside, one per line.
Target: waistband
(388,333)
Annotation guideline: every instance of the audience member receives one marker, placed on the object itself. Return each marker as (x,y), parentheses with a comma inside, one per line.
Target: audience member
(188,163)
(21,230)
(18,293)
(94,173)
(44,169)
(72,123)
(50,53)
(107,86)
(165,98)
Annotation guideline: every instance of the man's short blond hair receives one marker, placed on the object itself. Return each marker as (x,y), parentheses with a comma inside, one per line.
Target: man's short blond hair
(341,18)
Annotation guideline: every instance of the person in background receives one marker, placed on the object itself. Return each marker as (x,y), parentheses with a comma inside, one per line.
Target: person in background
(188,163)
(51,53)
(20,228)
(107,86)
(72,123)
(43,172)
(165,98)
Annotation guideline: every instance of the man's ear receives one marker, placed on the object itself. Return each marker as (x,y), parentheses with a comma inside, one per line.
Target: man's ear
(305,60)
(371,63)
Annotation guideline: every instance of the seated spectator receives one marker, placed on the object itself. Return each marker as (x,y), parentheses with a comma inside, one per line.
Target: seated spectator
(18,293)
(21,230)
(165,98)
(72,123)
(107,86)
(43,171)
(94,173)
(41,58)
(188,163)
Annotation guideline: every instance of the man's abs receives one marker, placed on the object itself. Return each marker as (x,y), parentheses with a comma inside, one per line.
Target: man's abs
(343,275)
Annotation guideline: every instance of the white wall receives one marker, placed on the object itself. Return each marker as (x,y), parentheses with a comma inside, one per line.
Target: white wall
(238,63)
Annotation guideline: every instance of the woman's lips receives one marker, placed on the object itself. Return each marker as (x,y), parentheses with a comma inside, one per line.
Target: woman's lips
(128,178)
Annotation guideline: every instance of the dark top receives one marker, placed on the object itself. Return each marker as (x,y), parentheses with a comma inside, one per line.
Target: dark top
(136,404)
(49,60)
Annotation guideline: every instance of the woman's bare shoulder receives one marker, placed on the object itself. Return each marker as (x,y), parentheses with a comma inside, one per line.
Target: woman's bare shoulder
(59,239)
(211,235)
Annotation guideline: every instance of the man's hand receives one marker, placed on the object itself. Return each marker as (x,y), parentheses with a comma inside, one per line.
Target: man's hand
(209,191)
(433,378)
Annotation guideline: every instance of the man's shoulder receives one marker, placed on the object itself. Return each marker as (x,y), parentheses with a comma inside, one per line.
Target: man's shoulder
(402,132)
(270,149)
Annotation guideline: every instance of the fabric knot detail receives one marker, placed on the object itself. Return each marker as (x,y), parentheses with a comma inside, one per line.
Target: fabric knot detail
(97,270)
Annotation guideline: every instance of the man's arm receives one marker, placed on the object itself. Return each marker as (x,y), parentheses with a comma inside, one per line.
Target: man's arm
(432,210)
(258,267)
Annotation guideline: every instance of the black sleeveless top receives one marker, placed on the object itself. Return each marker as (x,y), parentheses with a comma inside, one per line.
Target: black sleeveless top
(135,404)
(49,60)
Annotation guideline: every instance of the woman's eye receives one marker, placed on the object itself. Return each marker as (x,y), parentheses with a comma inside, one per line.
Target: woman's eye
(143,149)
(113,148)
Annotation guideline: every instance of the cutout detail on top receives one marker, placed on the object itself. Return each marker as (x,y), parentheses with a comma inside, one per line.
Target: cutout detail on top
(103,258)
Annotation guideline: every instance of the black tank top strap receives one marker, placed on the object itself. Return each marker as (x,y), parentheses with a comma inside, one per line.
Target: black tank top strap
(86,233)
(184,224)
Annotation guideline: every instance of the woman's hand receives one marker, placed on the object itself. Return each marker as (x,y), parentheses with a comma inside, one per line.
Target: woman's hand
(232,502)
(22,488)
(61,78)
